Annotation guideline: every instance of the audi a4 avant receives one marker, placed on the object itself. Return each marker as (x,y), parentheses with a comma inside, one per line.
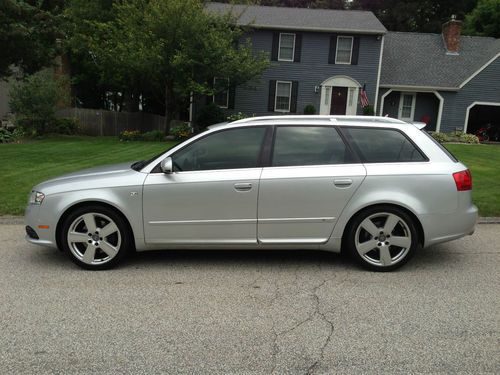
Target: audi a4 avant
(376,187)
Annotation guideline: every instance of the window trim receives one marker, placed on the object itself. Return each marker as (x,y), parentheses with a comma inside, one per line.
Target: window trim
(226,91)
(289,97)
(359,154)
(293,47)
(337,50)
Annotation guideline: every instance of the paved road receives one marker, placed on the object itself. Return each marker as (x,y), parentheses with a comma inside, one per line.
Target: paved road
(251,312)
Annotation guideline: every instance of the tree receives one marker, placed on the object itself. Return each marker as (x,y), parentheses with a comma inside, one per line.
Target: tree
(28,34)
(34,100)
(176,47)
(484,20)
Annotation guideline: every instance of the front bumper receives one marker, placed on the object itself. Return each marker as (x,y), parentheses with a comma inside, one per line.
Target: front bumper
(41,228)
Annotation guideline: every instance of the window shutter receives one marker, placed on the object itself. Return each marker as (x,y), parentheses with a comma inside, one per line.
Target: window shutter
(293,99)
(333,48)
(298,47)
(276,42)
(355,50)
(231,93)
(272,94)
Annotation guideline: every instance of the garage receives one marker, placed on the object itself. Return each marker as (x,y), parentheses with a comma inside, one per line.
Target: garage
(484,121)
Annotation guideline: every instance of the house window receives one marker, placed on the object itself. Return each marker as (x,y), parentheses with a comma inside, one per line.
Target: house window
(283,96)
(343,54)
(286,47)
(221,96)
(407,106)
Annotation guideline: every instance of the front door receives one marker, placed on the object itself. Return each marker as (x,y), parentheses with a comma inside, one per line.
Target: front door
(211,197)
(339,101)
(307,186)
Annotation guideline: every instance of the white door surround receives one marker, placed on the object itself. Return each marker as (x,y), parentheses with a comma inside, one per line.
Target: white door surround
(353,87)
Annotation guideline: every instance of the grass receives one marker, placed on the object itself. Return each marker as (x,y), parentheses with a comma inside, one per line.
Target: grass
(484,163)
(24,165)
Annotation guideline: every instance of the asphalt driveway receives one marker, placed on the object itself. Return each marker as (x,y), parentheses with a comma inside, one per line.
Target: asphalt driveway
(241,312)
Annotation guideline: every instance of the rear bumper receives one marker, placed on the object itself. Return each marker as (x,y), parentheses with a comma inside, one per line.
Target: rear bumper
(440,228)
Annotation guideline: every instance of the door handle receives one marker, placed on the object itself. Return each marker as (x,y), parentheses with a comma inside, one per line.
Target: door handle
(246,186)
(342,183)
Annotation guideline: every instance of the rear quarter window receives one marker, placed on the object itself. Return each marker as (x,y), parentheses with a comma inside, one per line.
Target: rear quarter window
(379,145)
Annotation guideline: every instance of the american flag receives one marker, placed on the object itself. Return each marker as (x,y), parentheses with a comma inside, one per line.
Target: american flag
(363,98)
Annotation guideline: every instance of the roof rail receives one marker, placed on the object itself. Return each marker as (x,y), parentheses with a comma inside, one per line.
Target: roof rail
(320,117)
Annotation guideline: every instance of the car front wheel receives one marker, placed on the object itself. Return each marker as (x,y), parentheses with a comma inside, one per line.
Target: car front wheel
(95,237)
(382,238)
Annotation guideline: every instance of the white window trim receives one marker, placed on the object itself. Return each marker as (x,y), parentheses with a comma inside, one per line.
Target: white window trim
(289,97)
(279,47)
(413,105)
(337,49)
(227,95)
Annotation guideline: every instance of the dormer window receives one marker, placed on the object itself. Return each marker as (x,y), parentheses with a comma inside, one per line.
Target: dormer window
(343,54)
(286,47)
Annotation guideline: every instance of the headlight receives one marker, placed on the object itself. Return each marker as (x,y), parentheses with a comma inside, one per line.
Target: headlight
(36,197)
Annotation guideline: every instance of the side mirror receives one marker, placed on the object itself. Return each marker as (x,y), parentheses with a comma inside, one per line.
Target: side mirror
(167,165)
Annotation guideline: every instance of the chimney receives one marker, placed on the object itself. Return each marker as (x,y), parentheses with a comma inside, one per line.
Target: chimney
(451,35)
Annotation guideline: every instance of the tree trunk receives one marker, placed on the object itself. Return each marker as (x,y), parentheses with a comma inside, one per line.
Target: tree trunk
(169,106)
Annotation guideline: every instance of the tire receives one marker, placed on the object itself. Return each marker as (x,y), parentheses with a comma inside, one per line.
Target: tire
(382,238)
(95,237)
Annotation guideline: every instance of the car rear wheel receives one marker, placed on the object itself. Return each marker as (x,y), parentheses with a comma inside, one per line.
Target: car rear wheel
(382,238)
(95,237)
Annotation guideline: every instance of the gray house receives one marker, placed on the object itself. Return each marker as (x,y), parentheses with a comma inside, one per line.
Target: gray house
(325,57)
(319,57)
(447,80)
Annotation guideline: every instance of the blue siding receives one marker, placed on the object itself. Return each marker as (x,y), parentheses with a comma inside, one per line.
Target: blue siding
(311,71)
(484,87)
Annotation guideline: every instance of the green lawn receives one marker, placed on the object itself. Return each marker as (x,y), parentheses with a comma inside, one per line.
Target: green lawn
(24,165)
(484,163)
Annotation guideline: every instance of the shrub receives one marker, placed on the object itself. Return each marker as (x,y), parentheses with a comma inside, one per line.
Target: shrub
(130,135)
(66,126)
(10,135)
(368,110)
(180,130)
(34,101)
(236,117)
(468,138)
(309,110)
(209,115)
(440,137)
(153,136)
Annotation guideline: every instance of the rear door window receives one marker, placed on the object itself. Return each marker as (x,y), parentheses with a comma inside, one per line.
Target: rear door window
(378,145)
(308,145)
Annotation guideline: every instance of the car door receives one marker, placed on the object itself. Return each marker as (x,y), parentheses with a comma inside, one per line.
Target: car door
(311,177)
(211,197)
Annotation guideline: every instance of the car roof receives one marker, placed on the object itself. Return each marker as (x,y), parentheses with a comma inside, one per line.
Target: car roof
(319,120)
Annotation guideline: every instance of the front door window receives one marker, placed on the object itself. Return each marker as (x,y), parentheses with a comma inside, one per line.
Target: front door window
(407,106)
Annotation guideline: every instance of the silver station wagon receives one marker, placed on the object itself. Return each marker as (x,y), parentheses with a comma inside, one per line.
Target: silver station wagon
(376,187)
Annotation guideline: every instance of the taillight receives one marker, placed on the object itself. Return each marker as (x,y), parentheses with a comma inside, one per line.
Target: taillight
(463,180)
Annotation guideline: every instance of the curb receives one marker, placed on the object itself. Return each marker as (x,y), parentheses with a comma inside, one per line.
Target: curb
(19,220)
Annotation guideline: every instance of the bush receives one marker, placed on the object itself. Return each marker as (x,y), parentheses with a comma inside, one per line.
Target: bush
(153,136)
(236,117)
(180,130)
(368,110)
(309,110)
(34,101)
(130,135)
(10,135)
(468,138)
(209,115)
(66,126)
(440,137)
